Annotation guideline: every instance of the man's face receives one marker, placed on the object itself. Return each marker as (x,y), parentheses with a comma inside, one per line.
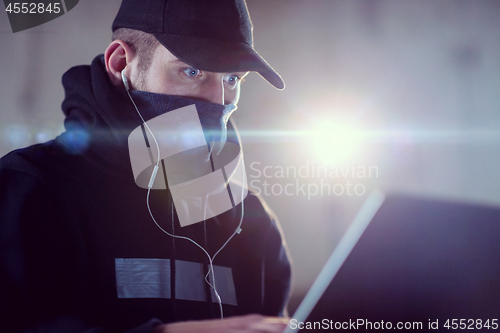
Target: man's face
(169,75)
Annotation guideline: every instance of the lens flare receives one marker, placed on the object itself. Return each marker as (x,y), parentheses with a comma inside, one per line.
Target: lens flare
(335,142)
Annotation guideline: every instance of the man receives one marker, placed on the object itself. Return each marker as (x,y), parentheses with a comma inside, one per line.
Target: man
(84,248)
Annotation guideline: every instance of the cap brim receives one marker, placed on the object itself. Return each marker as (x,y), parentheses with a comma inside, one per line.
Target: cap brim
(215,55)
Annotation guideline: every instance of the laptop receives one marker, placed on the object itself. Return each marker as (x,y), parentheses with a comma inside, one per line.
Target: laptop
(409,263)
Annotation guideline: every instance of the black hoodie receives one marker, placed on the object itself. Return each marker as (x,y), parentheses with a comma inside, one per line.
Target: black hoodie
(79,250)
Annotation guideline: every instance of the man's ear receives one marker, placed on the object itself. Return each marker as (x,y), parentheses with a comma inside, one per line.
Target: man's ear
(117,56)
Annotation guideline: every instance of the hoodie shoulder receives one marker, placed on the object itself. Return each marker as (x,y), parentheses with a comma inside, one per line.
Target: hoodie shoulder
(39,161)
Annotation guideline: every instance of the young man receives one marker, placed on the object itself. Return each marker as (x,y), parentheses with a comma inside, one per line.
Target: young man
(84,248)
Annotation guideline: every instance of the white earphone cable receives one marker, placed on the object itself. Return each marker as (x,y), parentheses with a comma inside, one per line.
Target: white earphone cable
(153,176)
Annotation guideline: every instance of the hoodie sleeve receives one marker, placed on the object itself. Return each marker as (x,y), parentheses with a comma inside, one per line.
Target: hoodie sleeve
(37,283)
(31,257)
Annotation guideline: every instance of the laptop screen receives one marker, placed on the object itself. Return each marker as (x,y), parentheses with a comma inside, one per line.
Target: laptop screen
(420,264)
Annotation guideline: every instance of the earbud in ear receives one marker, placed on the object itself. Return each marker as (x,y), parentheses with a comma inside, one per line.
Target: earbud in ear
(125,81)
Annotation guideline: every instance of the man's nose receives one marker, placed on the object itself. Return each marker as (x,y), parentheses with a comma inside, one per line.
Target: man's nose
(213,90)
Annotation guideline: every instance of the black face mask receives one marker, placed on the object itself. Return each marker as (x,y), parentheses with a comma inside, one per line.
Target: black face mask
(213,117)
(191,143)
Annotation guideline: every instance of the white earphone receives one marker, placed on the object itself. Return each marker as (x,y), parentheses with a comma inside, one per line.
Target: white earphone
(125,81)
(150,185)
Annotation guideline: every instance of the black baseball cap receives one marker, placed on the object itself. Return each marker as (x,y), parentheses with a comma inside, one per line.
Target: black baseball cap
(211,35)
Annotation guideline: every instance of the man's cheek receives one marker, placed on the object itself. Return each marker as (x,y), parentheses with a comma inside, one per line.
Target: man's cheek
(231,96)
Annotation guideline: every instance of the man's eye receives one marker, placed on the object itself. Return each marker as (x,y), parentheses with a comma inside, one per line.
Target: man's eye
(191,72)
(232,79)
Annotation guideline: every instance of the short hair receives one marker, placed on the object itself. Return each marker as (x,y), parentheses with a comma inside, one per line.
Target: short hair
(142,43)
